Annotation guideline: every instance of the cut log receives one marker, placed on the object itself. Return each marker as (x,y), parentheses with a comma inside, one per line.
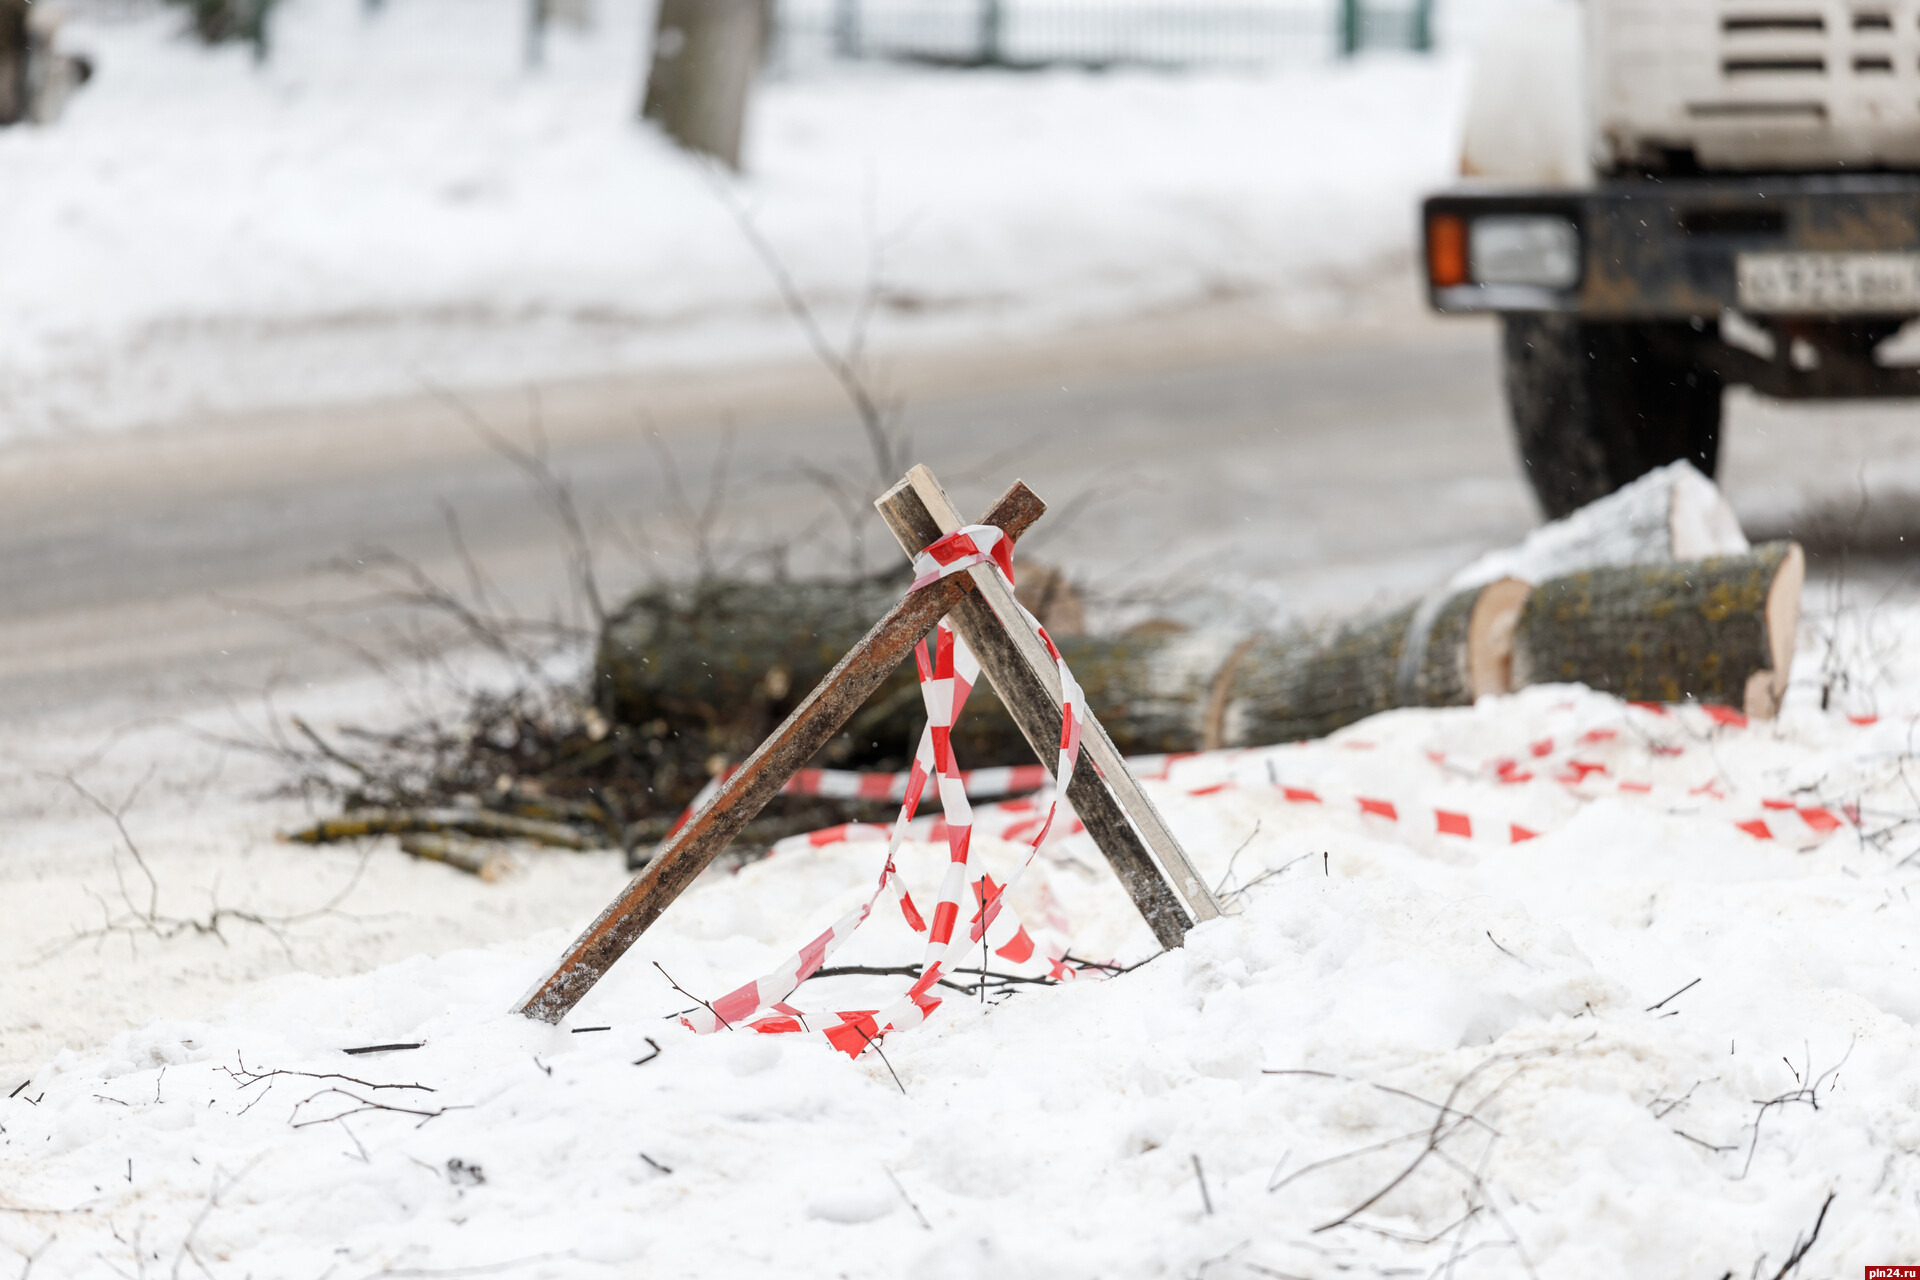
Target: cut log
(1718,630)
(715,666)
(1671,513)
(488,862)
(705,56)
(695,676)
(1307,683)
(357,824)
(706,671)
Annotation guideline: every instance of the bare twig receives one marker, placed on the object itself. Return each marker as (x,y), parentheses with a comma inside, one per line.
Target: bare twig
(1682,991)
(360,1106)
(1808,1093)
(904,1196)
(874,1045)
(689,995)
(1453,1117)
(213,1202)
(26,1269)
(846,363)
(554,490)
(698,522)
(246,1077)
(914,971)
(1220,888)
(136,919)
(1800,1248)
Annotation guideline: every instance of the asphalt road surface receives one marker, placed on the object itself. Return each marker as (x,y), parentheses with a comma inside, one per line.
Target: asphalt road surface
(1193,463)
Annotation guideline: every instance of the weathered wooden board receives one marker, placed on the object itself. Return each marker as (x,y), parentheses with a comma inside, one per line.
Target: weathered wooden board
(788,749)
(1143,852)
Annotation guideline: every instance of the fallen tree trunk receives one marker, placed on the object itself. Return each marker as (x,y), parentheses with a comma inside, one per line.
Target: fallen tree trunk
(1718,630)
(704,672)
(1306,684)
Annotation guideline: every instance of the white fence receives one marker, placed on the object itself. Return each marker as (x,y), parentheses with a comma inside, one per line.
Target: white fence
(1032,33)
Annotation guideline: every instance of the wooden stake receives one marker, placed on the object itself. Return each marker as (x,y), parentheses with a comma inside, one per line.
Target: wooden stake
(1116,812)
(810,727)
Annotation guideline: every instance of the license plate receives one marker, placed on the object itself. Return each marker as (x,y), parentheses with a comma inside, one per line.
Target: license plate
(1829,282)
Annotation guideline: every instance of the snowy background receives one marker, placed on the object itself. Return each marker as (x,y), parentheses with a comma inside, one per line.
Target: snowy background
(1649,1042)
(395,198)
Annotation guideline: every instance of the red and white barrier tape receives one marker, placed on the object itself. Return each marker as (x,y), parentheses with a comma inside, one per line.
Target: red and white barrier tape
(1604,761)
(855,784)
(1646,761)
(1581,766)
(947,676)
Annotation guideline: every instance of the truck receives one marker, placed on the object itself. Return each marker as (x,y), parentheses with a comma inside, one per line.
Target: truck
(1662,199)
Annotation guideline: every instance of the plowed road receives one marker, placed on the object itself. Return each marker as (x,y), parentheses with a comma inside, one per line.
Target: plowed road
(1281,473)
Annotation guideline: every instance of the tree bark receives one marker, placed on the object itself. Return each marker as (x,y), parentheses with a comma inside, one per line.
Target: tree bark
(708,670)
(705,56)
(1306,684)
(1719,630)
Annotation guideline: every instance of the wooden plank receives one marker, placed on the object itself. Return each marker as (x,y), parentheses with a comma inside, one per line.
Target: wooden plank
(1106,757)
(1023,686)
(809,728)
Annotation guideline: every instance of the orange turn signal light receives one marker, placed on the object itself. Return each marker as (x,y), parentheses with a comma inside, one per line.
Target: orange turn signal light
(1446,250)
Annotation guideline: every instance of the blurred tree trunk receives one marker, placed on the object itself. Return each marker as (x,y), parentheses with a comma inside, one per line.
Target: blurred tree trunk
(705,56)
(218,21)
(14,39)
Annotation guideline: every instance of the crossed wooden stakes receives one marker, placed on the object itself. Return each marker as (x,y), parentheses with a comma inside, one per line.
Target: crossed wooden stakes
(1106,797)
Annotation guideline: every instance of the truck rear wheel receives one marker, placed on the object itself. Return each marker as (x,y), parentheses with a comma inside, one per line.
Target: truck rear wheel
(1597,405)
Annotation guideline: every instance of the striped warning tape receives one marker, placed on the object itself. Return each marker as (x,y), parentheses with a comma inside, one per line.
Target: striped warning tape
(1583,765)
(1605,760)
(855,784)
(1801,825)
(1648,759)
(947,675)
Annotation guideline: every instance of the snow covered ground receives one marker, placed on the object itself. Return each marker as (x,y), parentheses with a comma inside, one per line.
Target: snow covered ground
(393,199)
(1645,1042)
(1667,1032)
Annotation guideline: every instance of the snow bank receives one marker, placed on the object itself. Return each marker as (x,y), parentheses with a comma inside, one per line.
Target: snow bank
(393,198)
(1528,1011)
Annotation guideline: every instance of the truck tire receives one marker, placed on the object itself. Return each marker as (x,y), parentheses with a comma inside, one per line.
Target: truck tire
(1597,405)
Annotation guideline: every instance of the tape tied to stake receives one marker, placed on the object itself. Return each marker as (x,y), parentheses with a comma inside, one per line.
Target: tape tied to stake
(963,549)
(948,672)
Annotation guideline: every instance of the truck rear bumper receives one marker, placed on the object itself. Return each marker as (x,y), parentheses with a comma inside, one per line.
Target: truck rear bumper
(1818,247)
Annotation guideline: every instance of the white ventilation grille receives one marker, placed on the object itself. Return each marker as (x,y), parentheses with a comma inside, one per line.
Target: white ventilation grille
(1757,84)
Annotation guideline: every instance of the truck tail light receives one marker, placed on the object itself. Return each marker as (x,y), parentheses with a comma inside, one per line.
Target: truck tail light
(1542,250)
(1446,250)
